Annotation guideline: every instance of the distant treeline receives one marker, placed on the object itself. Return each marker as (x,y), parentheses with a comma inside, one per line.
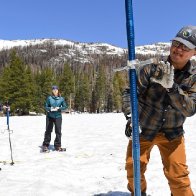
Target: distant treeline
(86,88)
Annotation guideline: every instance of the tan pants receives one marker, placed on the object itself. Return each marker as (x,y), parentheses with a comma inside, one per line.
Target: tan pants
(173,159)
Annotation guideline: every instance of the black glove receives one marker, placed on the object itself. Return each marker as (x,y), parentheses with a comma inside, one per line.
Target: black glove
(128,129)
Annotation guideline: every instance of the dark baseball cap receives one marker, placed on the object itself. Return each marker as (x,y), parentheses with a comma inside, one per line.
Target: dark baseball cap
(187,36)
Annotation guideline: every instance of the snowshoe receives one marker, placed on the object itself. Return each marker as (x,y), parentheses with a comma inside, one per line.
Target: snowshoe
(45,149)
(60,149)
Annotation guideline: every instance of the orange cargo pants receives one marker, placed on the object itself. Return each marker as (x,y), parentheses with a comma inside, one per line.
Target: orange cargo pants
(173,159)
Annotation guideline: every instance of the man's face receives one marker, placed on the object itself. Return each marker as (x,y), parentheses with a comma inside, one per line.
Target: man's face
(180,54)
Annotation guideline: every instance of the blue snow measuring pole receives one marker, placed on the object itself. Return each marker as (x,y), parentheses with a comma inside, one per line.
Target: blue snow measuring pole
(133,95)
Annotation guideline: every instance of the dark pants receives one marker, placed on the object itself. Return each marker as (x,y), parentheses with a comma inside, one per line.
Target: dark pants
(50,122)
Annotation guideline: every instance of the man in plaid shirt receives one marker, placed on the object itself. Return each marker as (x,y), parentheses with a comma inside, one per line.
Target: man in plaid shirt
(166,96)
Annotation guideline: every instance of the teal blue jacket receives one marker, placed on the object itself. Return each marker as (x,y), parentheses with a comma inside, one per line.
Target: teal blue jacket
(53,101)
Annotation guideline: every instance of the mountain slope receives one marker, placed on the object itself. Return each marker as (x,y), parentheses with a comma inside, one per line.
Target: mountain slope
(55,52)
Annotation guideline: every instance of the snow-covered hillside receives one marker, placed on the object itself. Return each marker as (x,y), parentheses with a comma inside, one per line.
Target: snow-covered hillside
(97,48)
(158,48)
(83,52)
(93,164)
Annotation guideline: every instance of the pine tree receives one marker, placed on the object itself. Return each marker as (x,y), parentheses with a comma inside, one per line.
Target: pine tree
(117,93)
(82,98)
(119,83)
(66,83)
(100,89)
(16,85)
(44,81)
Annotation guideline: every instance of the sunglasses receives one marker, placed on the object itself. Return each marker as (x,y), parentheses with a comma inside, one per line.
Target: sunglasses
(182,46)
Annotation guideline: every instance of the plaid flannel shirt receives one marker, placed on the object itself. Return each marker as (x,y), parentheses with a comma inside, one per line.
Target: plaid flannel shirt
(160,110)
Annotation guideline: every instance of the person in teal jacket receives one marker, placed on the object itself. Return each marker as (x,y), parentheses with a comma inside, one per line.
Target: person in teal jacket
(54,106)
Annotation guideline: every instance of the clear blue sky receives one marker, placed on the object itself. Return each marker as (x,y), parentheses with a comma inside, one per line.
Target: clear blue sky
(94,20)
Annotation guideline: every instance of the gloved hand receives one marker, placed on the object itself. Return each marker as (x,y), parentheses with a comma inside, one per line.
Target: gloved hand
(164,74)
(53,109)
(58,109)
(7,108)
(128,129)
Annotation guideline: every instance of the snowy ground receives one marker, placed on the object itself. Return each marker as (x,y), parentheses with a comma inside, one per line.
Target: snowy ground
(93,164)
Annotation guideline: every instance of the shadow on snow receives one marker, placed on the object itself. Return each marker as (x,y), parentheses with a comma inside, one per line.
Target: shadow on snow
(113,193)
